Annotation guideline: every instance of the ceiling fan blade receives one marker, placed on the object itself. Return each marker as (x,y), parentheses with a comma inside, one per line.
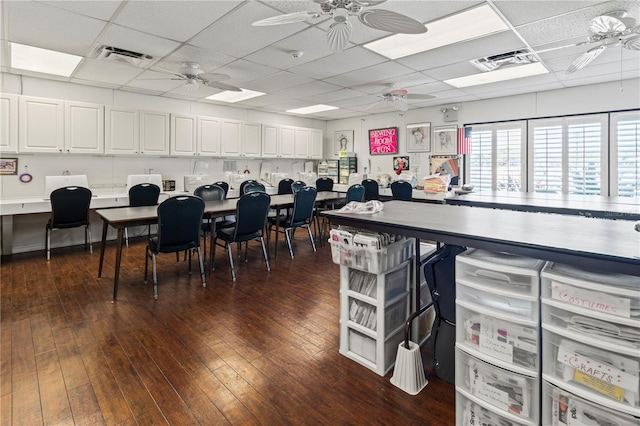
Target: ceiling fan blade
(213,76)
(584,59)
(288,18)
(393,22)
(419,96)
(222,86)
(338,35)
(375,104)
(632,43)
(368,3)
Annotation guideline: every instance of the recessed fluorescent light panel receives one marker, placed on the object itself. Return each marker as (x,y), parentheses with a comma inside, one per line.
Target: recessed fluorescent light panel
(502,74)
(473,23)
(311,109)
(46,61)
(232,97)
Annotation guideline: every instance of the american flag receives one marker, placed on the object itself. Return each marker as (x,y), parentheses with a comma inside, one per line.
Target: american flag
(464,140)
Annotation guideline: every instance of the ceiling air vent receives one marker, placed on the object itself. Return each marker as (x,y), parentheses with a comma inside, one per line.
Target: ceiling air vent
(516,57)
(126,56)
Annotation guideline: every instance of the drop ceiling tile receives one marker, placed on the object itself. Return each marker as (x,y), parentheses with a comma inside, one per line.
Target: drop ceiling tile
(339,63)
(278,81)
(152,80)
(264,100)
(106,71)
(235,36)
(136,41)
(208,60)
(99,9)
(242,71)
(175,20)
(513,86)
(523,12)
(41,25)
(336,95)
(385,71)
(309,89)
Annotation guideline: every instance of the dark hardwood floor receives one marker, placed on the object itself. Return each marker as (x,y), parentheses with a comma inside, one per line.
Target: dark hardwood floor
(262,351)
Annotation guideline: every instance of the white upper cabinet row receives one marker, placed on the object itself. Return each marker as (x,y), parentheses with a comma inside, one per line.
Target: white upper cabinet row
(30,124)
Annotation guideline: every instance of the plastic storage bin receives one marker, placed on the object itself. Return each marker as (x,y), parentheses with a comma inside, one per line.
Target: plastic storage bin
(497,337)
(525,307)
(562,408)
(508,392)
(471,412)
(369,259)
(591,370)
(366,350)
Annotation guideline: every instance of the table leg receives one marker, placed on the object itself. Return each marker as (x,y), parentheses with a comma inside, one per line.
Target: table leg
(116,276)
(275,247)
(213,234)
(103,244)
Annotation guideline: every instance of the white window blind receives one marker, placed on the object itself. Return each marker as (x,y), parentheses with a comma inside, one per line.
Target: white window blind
(481,159)
(509,159)
(625,153)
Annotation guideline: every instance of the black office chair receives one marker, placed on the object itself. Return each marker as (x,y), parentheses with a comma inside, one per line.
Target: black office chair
(211,193)
(251,218)
(371,189)
(401,190)
(355,193)
(323,184)
(301,216)
(252,186)
(179,223)
(284,186)
(69,209)
(142,194)
(224,185)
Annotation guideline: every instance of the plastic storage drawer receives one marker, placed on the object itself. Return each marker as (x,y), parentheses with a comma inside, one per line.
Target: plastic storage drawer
(525,307)
(504,272)
(592,371)
(562,408)
(507,391)
(363,348)
(613,295)
(497,337)
(472,412)
(395,282)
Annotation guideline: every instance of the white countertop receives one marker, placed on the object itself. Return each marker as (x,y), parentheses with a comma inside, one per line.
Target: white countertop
(418,194)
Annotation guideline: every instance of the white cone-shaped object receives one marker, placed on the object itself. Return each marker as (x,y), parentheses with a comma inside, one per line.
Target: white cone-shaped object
(338,35)
(408,373)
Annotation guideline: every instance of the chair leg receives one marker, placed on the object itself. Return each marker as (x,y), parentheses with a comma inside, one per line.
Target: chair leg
(233,272)
(288,238)
(264,253)
(126,236)
(313,244)
(189,268)
(155,276)
(88,228)
(213,254)
(47,242)
(204,283)
(246,249)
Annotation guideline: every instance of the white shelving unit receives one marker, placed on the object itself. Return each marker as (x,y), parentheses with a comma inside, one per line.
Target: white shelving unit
(591,352)
(497,338)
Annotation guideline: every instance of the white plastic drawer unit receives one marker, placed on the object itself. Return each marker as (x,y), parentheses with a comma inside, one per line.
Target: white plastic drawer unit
(562,408)
(366,315)
(524,307)
(503,272)
(606,375)
(471,412)
(365,283)
(508,392)
(613,295)
(497,337)
(367,348)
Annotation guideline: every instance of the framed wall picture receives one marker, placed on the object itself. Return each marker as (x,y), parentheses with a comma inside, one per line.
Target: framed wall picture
(343,140)
(8,166)
(419,137)
(444,140)
(400,164)
(383,141)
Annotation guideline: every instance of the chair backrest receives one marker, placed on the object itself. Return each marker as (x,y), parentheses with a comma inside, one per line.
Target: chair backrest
(70,207)
(144,194)
(179,223)
(251,213)
(253,186)
(224,185)
(284,186)
(371,191)
(401,190)
(324,184)
(245,183)
(297,186)
(210,192)
(355,193)
(303,205)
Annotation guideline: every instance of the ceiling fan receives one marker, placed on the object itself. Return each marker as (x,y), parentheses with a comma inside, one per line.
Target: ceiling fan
(339,31)
(611,29)
(397,98)
(193,77)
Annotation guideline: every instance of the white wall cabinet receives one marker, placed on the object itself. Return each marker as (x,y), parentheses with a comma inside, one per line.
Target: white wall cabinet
(83,128)
(300,142)
(41,125)
(240,139)
(154,133)
(251,139)
(8,123)
(183,135)
(270,141)
(316,144)
(122,135)
(208,136)
(287,142)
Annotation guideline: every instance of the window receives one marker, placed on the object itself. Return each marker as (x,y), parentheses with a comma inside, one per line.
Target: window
(481,160)
(625,153)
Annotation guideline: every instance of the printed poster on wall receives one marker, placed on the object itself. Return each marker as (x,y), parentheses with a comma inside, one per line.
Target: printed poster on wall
(383,141)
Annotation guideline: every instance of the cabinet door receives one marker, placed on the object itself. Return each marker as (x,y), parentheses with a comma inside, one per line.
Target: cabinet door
(287,142)
(183,135)
(301,141)
(270,141)
(8,123)
(251,140)
(154,133)
(230,133)
(316,144)
(209,136)
(121,130)
(41,125)
(83,128)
